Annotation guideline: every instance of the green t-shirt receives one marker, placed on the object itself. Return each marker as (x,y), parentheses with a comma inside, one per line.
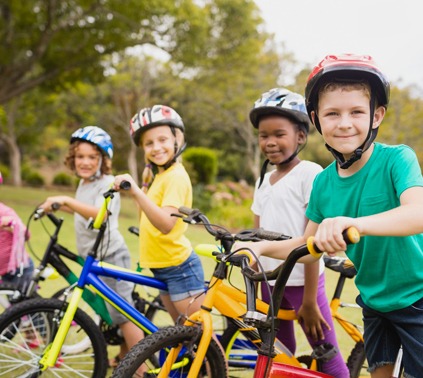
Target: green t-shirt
(389,269)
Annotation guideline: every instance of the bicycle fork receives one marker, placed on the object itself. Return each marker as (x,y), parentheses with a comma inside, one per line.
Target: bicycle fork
(52,352)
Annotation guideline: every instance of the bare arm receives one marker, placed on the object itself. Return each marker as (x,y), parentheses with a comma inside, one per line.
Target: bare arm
(70,205)
(158,216)
(406,219)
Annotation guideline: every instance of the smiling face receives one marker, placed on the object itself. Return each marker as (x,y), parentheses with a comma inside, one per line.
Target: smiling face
(344,116)
(87,160)
(159,145)
(279,138)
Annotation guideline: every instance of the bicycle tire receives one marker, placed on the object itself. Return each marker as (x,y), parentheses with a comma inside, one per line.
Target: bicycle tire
(155,344)
(240,352)
(34,323)
(356,360)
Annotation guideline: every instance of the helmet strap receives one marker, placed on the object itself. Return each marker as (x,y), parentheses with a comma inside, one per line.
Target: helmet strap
(178,151)
(267,161)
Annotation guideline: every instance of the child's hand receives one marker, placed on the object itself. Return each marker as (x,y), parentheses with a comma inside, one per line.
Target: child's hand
(328,237)
(254,247)
(6,222)
(47,205)
(313,321)
(126,177)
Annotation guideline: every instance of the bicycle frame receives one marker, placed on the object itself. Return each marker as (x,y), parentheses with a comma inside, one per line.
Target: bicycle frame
(91,271)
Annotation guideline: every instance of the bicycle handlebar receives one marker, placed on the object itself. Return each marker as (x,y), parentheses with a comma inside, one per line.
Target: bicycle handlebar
(195,216)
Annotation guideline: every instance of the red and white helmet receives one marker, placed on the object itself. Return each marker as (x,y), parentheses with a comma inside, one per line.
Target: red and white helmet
(158,115)
(348,68)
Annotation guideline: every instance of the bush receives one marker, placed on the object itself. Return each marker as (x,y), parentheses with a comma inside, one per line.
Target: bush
(203,164)
(34,179)
(63,179)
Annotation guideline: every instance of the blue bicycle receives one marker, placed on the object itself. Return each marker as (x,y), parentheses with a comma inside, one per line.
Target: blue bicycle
(54,337)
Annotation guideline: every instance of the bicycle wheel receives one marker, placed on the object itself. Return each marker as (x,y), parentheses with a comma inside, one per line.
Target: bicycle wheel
(27,328)
(157,344)
(356,360)
(240,351)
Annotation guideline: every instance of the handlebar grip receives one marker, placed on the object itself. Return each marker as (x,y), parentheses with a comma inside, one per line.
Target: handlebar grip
(351,236)
(185,210)
(271,235)
(125,185)
(55,206)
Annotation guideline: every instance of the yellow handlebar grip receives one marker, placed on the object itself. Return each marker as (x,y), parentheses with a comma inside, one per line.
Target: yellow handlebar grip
(312,249)
(352,236)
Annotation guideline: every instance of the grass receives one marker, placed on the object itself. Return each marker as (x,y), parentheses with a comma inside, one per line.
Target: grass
(25,200)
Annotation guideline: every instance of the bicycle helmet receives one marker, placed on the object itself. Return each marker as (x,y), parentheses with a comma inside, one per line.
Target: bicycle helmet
(281,101)
(158,115)
(96,136)
(348,68)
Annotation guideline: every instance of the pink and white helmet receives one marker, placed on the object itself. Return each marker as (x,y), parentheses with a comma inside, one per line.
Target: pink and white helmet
(158,115)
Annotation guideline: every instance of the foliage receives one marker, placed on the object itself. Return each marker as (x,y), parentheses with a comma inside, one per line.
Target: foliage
(63,179)
(48,42)
(33,178)
(204,162)
(227,203)
(5,172)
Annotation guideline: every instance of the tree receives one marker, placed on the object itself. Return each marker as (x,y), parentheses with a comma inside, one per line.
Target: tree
(50,42)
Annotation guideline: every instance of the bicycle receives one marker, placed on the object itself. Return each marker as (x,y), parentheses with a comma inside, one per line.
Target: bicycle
(52,264)
(39,335)
(193,340)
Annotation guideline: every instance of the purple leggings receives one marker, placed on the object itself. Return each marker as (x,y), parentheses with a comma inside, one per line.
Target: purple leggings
(293,299)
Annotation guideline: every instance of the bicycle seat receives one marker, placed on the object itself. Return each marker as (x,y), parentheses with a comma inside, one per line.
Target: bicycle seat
(341,265)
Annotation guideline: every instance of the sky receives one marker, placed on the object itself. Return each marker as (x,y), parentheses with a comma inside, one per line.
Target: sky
(390,31)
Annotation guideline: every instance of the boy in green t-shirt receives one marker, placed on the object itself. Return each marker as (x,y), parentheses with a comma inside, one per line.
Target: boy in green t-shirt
(379,190)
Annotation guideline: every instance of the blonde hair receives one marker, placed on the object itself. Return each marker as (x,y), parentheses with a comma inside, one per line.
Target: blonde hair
(106,162)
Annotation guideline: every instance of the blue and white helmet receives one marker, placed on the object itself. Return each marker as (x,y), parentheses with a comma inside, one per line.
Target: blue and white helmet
(281,101)
(96,136)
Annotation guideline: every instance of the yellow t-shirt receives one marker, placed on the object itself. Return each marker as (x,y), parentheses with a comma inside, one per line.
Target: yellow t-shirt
(169,188)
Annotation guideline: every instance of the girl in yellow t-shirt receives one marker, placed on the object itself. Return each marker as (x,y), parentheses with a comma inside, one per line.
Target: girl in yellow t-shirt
(164,248)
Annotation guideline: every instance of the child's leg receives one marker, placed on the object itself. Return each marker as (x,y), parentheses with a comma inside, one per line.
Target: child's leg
(294,294)
(385,332)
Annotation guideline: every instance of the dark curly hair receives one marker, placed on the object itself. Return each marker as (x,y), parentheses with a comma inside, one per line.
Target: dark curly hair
(106,163)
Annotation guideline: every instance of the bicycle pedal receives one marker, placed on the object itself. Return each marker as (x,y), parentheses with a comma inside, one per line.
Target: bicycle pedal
(324,352)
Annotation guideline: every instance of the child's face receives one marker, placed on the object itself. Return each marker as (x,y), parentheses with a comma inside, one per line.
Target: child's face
(159,145)
(279,138)
(344,117)
(87,160)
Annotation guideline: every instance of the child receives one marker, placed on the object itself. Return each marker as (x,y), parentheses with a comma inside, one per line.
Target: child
(90,157)
(280,200)
(164,248)
(377,189)
(16,266)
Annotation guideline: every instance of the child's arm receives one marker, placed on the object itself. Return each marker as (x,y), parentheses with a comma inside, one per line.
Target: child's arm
(309,313)
(70,205)
(158,216)
(281,249)
(404,220)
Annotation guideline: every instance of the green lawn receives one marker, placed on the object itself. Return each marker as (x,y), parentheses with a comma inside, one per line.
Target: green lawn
(25,201)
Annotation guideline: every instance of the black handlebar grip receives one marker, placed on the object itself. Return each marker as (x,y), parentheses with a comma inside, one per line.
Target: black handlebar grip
(55,206)
(185,210)
(271,235)
(125,185)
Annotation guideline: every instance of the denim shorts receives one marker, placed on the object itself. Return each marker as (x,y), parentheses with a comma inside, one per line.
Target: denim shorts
(385,332)
(21,281)
(184,280)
